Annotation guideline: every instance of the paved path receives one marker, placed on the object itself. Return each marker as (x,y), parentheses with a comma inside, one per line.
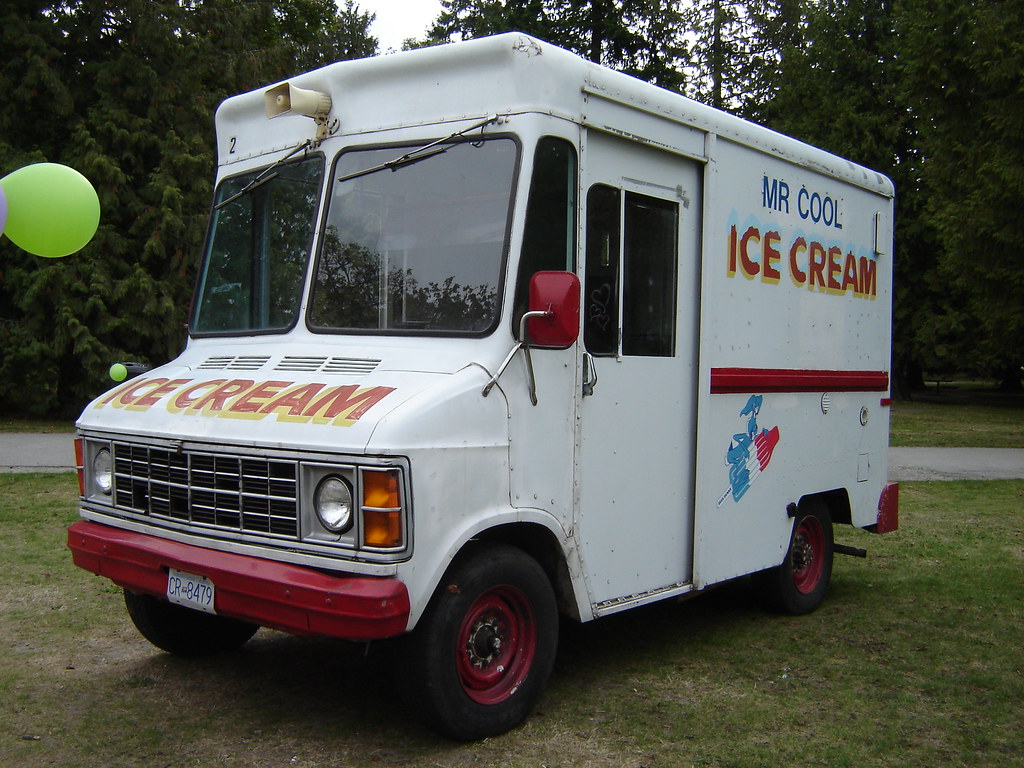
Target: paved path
(37,452)
(955,463)
(54,452)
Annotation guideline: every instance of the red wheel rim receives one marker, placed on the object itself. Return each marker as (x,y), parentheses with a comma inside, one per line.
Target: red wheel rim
(808,554)
(496,645)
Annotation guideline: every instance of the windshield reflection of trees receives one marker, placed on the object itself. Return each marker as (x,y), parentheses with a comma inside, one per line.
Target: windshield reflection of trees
(349,294)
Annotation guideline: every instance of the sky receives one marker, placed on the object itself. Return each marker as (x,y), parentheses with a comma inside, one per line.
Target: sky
(399,19)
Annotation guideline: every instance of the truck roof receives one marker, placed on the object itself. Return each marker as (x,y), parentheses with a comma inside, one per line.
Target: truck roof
(511,73)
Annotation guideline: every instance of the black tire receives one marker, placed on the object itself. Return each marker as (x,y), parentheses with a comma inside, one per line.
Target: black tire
(799,585)
(182,631)
(480,657)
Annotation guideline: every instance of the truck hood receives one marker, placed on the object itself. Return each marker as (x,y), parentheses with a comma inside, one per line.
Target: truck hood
(299,400)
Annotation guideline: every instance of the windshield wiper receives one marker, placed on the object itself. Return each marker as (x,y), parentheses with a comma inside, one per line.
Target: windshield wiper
(419,153)
(265,175)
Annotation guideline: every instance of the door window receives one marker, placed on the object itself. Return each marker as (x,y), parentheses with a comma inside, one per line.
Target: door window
(601,323)
(644,231)
(549,241)
(649,287)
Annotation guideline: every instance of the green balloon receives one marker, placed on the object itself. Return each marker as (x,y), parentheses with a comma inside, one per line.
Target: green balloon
(118,372)
(52,210)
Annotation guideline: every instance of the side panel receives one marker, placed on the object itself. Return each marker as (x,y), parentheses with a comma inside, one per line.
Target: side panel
(795,354)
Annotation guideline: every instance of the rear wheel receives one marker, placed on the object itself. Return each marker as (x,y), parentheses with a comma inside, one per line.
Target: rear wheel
(481,655)
(799,585)
(183,631)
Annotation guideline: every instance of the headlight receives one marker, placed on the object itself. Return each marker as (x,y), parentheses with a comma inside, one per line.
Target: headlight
(333,504)
(103,470)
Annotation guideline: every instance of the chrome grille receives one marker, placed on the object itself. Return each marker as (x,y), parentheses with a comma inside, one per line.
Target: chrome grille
(238,493)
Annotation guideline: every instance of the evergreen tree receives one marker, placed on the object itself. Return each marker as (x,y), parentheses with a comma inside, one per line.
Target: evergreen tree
(963,74)
(644,38)
(737,49)
(723,39)
(125,94)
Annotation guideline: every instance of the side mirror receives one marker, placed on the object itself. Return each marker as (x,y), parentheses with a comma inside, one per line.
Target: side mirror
(552,321)
(555,298)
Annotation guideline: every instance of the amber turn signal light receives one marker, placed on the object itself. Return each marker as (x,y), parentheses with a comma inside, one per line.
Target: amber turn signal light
(382,509)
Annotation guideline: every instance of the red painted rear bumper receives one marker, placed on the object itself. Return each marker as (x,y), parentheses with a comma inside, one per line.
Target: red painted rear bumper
(265,592)
(888,509)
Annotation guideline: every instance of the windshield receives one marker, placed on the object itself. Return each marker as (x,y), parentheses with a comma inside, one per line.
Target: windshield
(416,248)
(258,249)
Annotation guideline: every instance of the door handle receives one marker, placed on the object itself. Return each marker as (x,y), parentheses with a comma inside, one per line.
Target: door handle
(589,374)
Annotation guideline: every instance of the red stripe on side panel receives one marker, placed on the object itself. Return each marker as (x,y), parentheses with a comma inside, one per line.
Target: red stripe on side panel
(740,380)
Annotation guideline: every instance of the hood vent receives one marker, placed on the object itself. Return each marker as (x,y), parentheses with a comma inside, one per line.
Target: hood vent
(234,363)
(335,365)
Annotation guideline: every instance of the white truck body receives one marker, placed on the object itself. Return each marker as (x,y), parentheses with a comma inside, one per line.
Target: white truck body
(732,355)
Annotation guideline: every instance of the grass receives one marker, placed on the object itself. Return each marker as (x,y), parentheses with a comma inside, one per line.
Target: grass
(11,424)
(954,424)
(914,660)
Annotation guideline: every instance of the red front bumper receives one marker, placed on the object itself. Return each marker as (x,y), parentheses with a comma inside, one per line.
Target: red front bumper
(265,592)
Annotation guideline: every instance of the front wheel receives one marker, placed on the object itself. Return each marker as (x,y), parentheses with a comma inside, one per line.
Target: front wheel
(183,631)
(481,655)
(799,585)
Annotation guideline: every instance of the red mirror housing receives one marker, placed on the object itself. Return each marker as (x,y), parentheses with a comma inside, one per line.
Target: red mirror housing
(558,294)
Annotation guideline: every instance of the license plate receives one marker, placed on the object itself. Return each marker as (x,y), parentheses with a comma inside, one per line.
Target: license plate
(190,590)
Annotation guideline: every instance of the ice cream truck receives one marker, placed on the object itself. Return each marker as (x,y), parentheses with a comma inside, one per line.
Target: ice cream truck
(485,335)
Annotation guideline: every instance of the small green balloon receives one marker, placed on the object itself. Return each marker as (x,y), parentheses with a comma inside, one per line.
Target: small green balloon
(52,210)
(118,372)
